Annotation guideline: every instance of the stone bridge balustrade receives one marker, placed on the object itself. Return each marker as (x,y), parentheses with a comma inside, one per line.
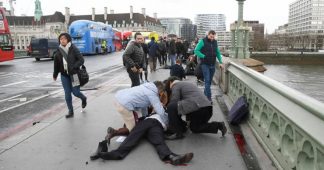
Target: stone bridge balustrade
(289,124)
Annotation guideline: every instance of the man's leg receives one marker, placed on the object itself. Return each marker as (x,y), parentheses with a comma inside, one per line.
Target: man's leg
(155,137)
(134,77)
(129,143)
(206,73)
(199,122)
(176,124)
(127,116)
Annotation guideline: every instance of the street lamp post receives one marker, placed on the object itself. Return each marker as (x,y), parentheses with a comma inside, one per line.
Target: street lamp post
(240,35)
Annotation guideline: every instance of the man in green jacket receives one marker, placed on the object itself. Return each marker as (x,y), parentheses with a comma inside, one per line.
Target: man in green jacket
(207,50)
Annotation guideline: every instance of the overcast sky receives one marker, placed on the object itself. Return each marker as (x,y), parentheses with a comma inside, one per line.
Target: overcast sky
(270,12)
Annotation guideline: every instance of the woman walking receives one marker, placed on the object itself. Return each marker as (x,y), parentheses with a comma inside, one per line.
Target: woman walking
(68,61)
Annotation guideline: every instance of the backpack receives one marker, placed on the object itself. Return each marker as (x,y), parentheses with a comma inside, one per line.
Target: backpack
(239,111)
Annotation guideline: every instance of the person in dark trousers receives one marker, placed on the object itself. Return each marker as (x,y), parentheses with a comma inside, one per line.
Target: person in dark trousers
(187,100)
(150,128)
(172,51)
(145,49)
(153,54)
(163,51)
(67,61)
(177,70)
(134,59)
(207,50)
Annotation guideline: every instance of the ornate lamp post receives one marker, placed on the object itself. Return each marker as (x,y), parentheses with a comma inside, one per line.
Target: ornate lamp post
(240,35)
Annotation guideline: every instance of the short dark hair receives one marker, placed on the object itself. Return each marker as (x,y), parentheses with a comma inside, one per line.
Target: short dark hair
(136,34)
(153,38)
(159,85)
(66,35)
(211,32)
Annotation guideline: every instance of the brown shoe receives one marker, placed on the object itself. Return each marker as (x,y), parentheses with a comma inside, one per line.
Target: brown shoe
(111,132)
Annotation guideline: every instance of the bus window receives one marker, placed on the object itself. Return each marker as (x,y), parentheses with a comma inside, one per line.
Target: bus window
(5,39)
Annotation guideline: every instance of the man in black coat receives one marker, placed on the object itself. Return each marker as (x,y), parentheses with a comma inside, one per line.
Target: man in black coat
(134,59)
(188,100)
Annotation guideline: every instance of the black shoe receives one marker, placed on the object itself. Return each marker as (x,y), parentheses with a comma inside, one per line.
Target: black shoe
(223,128)
(84,103)
(180,159)
(174,136)
(69,115)
(102,147)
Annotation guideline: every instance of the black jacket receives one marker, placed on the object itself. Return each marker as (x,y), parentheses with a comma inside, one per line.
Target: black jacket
(75,61)
(133,55)
(177,70)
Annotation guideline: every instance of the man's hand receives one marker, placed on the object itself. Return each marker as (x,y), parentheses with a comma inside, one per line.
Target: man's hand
(134,69)
(221,66)
(140,70)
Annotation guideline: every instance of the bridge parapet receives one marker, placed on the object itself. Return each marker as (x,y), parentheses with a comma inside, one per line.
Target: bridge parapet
(286,122)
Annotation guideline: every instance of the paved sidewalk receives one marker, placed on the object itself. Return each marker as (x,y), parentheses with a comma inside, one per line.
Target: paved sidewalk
(59,143)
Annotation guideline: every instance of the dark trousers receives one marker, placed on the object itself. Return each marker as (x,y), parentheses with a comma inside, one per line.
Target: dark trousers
(149,128)
(176,124)
(164,58)
(198,120)
(134,77)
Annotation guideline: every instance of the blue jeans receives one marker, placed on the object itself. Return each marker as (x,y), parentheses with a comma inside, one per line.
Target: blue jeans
(208,72)
(173,59)
(68,89)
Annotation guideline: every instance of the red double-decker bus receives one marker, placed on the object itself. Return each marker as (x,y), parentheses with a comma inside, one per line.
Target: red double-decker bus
(6,47)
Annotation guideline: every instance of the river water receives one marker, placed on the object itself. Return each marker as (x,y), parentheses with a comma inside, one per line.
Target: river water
(308,79)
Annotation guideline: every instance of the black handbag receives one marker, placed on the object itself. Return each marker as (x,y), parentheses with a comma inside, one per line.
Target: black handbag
(82,72)
(83,75)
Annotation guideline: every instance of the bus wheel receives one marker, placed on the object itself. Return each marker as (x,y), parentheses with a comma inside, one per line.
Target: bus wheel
(110,50)
(37,59)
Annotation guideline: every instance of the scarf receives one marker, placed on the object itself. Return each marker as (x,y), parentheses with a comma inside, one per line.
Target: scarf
(66,50)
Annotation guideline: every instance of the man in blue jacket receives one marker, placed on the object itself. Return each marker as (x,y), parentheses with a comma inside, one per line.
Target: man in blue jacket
(135,100)
(207,50)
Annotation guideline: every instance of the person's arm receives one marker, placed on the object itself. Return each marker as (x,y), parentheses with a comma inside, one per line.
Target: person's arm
(79,58)
(127,55)
(219,55)
(156,104)
(175,94)
(56,66)
(199,46)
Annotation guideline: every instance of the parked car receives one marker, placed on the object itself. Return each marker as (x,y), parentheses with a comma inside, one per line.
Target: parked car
(43,48)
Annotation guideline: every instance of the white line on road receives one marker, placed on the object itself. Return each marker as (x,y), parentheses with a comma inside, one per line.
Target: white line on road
(10,98)
(13,84)
(35,99)
(58,91)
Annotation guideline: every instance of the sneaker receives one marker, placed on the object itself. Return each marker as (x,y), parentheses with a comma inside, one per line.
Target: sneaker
(141,81)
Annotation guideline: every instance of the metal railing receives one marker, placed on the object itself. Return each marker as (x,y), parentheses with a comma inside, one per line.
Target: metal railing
(286,122)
